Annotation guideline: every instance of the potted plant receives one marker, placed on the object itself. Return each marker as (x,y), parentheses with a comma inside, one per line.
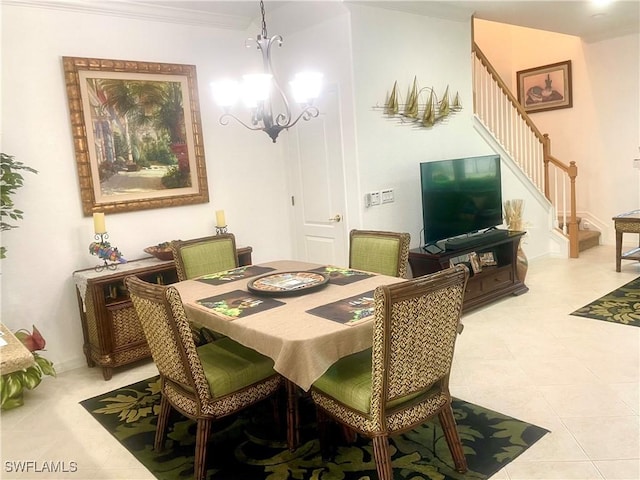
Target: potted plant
(12,384)
(10,180)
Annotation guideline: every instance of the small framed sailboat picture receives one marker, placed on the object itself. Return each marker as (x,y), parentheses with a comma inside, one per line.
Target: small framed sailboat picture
(545,88)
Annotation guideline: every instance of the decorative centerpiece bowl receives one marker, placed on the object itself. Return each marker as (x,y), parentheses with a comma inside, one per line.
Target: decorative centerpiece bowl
(162,251)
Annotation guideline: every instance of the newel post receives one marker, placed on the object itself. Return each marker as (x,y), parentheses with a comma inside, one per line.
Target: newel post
(574,247)
(546,153)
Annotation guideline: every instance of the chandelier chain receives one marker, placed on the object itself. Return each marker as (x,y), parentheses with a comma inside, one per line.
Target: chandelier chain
(264,22)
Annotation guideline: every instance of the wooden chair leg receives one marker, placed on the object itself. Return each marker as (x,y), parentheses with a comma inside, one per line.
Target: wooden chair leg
(275,401)
(202,437)
(163,420)
(383,457)
(323,433)
(293,416)
(448,423)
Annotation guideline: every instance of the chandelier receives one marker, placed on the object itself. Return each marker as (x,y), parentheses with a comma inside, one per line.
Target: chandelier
(257,92)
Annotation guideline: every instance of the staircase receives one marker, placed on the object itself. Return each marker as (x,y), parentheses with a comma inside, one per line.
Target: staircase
(587,238)
(503,116)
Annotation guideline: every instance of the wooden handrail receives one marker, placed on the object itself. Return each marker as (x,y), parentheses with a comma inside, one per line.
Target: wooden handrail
(505,89)
(570,170)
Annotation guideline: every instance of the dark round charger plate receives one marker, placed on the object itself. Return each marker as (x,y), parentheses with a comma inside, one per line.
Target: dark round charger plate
(281,284)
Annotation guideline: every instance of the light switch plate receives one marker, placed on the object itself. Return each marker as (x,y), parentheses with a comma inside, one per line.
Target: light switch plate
(375,198)
(387,195)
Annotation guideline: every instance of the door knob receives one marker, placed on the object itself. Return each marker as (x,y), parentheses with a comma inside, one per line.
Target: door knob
(336,219)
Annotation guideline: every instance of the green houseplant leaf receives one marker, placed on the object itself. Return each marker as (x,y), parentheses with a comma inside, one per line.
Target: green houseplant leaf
(45,365)
(11,179)
(31,377)
(12,384)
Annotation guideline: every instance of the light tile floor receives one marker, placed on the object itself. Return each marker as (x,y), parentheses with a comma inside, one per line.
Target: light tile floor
(523,356)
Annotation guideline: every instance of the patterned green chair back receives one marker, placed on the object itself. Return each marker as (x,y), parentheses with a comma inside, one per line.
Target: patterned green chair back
(415,330)
(168,333)
(403,380)
(379,252)
(205,255)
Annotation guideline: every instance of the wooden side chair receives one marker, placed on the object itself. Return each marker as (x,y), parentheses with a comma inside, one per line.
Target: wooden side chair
(403,380)
(201,256)
(381,252)
(204,383)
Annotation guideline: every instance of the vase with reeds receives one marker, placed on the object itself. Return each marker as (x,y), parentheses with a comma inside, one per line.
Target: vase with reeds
(513,210)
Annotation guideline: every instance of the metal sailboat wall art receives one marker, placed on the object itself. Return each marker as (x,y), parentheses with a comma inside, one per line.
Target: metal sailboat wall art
(425,113)
(411,108)
(391,107)
(445,108)
(429,114)
(456,106)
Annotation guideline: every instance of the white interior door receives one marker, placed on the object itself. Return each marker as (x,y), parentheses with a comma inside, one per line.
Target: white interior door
(318,199)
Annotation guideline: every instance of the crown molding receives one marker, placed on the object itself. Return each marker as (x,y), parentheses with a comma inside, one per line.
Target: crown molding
(140,11)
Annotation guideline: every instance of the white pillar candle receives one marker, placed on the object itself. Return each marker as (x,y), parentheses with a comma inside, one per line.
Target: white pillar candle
(98,223)
(220,220)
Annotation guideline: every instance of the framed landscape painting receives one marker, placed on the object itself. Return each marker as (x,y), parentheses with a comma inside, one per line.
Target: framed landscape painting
(137,134)
(545,88)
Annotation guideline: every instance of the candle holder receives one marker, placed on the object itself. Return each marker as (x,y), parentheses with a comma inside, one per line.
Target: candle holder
(110,256)
(221,230)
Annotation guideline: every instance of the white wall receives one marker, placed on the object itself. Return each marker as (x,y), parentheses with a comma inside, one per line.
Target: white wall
(613,78)
(601,133)
(324,44)
(393,46)
(245,170)
(380,153)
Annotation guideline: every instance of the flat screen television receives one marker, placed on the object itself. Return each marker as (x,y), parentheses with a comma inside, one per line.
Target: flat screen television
(460,196)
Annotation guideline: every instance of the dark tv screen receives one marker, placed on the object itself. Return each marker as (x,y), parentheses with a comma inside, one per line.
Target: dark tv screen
(460,196)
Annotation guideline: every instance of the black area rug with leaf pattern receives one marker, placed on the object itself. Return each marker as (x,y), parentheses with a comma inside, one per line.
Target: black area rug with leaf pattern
(620,306)
(248,446)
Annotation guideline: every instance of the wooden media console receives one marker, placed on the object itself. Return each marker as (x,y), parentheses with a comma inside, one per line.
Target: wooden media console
(490,284)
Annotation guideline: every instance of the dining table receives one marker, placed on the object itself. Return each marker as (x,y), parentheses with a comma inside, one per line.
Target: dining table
(305,316)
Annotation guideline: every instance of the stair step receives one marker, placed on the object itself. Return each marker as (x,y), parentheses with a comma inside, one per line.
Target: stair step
(588,239)
(561,223)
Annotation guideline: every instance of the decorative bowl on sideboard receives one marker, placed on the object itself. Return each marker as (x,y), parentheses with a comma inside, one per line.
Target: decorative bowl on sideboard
(162,251)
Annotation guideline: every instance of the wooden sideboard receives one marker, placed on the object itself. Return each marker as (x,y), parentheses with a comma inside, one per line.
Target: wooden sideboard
(492,283)
(112,333)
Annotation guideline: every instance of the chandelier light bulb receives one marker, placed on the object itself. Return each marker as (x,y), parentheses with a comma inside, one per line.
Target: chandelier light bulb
(306,87)
(256,88)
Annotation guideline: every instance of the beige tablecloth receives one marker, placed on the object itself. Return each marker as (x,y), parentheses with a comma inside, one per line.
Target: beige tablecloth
(303,346)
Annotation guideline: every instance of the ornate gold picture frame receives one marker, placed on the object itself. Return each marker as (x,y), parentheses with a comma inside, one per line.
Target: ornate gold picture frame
(137,134)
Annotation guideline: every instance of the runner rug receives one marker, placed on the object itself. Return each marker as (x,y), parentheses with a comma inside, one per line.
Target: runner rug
(249,447)
(620,306)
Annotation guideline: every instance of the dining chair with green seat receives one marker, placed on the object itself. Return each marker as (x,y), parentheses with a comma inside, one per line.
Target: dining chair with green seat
(381,252)
(200,256)
(203,383)
(403,380)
